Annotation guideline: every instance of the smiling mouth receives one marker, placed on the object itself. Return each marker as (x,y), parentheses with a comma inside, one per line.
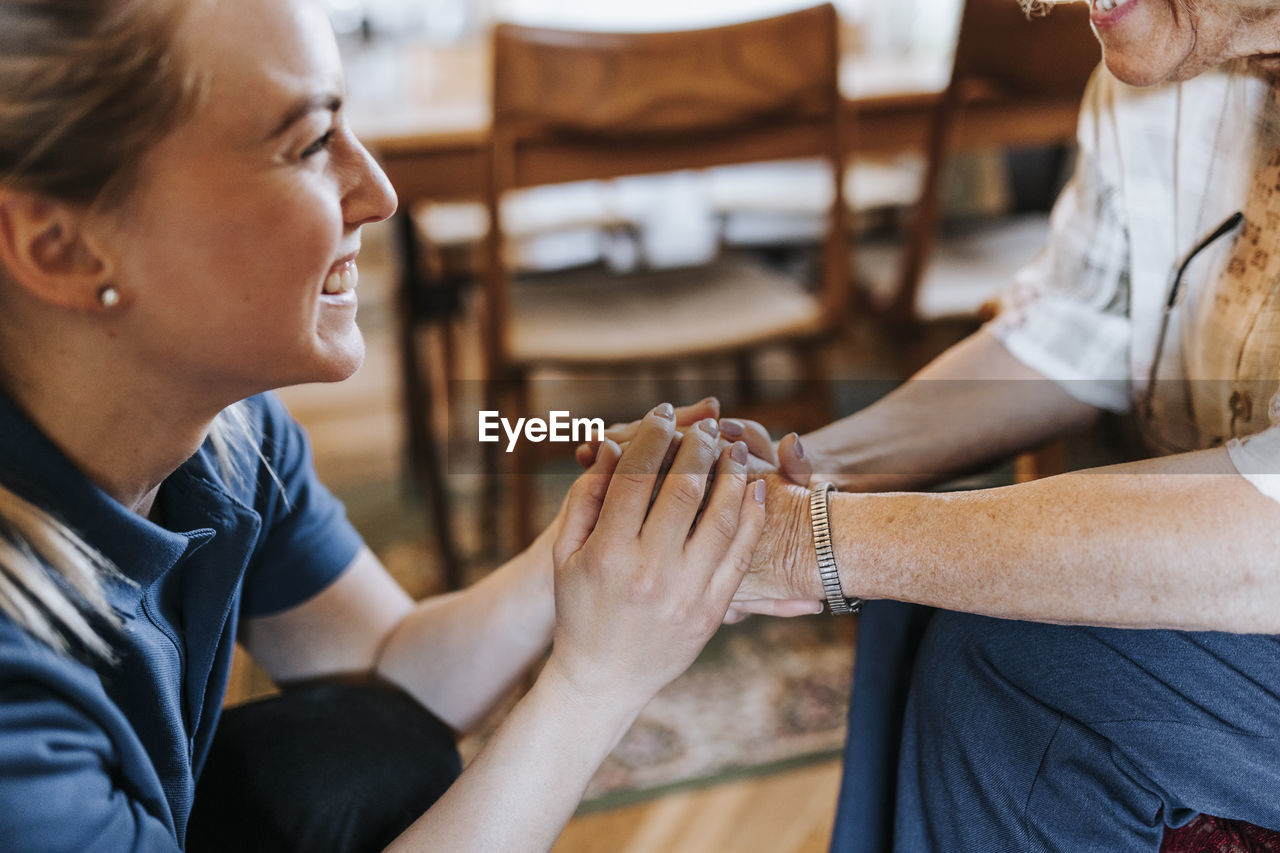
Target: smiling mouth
(1109,5)
(342,279)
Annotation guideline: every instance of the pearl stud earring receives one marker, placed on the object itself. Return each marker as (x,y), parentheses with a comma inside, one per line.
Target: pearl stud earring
(108,296)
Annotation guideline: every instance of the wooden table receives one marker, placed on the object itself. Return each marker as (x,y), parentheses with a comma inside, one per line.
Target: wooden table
(424,110)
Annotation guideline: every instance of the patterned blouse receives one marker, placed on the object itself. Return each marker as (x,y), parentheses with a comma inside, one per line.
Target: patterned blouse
(1160,170)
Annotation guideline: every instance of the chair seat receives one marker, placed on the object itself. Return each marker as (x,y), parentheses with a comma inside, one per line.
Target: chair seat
(593,317)
(967,269)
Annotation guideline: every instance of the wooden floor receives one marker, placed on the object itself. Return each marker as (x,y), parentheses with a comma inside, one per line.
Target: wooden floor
(789,812)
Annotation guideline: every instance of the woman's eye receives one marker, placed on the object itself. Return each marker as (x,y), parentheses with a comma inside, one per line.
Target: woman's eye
(319,145)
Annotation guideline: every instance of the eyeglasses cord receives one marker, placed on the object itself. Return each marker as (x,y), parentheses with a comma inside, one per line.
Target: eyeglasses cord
(1175,292)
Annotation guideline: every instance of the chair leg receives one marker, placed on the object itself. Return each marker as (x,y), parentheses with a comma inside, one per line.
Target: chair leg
(491,488)
(429,474)
(744,378)
(511,397)
(417,395)
(524,495)
(815,385)
(1042,462)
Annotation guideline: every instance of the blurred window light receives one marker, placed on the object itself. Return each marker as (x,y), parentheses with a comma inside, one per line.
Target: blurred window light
(898,26)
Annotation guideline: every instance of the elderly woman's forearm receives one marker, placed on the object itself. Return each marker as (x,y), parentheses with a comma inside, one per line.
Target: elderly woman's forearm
(1177,543)
(973,405)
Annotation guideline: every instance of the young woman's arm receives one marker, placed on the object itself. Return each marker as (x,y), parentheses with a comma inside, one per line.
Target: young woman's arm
(636,597)
(457,654)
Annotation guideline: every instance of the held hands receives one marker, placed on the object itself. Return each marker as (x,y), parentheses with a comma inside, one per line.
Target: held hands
(639,590)
(787,456)
(778,581)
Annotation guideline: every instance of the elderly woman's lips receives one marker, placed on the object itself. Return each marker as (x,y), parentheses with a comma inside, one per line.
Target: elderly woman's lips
(1105,6)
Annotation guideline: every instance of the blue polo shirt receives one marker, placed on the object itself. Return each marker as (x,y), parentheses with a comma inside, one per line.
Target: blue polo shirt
(95,756)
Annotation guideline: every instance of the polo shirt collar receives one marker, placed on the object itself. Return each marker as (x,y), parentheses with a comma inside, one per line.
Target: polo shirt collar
(37,470)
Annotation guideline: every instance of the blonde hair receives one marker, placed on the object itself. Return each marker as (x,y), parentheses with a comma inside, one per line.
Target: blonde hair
(85,87)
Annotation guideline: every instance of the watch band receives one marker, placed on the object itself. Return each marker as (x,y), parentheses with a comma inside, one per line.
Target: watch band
(820,516)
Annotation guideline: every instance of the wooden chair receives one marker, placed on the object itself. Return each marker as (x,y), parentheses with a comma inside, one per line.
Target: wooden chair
(428,306)
(1040,66)
(571,105)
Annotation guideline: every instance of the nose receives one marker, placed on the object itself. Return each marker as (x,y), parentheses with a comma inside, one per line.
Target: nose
(369,196)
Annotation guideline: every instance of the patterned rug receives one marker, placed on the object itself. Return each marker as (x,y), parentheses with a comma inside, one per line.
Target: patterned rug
(765,694)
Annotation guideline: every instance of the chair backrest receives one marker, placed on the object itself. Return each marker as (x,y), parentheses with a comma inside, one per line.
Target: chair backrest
(1048,57)
(1030,69)
(573,105)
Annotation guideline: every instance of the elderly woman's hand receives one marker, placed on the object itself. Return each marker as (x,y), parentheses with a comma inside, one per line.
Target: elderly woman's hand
(640,589)
(765,456)
(783,573)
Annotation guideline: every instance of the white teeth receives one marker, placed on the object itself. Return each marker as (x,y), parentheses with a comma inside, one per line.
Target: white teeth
(343,280)
(1108,5)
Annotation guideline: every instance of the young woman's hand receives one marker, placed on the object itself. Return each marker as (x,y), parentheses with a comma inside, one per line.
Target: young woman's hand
(640,589)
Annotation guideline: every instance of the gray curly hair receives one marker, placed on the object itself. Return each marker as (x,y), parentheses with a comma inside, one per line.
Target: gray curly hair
(1035,8)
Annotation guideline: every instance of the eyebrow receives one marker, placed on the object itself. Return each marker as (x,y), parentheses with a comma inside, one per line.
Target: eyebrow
(304,107)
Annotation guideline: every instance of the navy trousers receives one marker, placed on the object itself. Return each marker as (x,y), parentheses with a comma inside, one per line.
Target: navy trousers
(970,733)
(338,768)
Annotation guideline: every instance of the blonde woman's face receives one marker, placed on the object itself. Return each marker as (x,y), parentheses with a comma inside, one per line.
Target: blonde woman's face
(237,250)
(1151,41)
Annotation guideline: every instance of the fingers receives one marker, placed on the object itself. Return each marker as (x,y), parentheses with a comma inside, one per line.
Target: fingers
(707,407)
(737,558)
(719,521)
(791,460)
(627,500)
(667,461)
(582,506)
(686,416)
(785,608)
(685,484)
(753,434)
(585,454)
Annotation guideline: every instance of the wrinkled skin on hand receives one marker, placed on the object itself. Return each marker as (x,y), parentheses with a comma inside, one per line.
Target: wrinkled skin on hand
(784,566)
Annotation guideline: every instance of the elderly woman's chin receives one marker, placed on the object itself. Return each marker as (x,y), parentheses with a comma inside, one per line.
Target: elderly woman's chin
(1142,71)
(1145,42)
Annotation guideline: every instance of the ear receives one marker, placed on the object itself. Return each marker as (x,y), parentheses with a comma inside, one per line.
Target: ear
(46,249)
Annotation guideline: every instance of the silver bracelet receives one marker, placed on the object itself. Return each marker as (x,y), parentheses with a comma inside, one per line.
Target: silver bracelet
(820,515)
